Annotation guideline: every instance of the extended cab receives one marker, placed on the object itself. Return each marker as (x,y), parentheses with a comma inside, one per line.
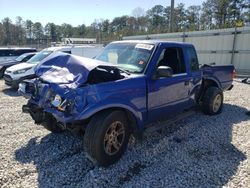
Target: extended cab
(124,90)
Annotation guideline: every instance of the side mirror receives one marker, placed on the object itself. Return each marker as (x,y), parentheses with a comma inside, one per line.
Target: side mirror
(163,71)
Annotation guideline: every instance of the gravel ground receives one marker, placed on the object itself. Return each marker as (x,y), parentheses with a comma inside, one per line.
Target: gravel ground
(200,151)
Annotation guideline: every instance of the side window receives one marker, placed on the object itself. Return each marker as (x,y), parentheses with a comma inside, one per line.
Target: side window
(27,58)
(173,58)
(67,52)
(6,52)
(22,51)
(192,59)
(30,50)
(3,53)
(10,53)
(17,52)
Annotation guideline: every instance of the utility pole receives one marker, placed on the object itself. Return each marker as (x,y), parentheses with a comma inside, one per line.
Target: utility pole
(171,16)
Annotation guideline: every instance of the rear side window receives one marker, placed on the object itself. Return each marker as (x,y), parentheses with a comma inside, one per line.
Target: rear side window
(28,50)
(19,52)
(192,58)
(15,52)
(67,52)
(4,53)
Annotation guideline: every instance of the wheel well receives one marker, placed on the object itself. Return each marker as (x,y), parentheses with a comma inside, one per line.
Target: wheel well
(205,84)
(130,116)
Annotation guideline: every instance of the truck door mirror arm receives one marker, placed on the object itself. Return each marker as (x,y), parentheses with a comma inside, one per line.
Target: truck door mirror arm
(162,71)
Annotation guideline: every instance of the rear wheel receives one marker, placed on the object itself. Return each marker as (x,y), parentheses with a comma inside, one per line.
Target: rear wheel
(106,137)
(212,102)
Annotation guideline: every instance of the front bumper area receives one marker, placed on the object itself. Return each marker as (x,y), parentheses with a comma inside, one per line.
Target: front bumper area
(44,118)
(42,95)
(14,83)
(37,109)
(35,112)
(10,82)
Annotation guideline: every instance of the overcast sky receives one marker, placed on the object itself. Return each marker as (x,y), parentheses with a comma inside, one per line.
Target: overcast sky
(76,12)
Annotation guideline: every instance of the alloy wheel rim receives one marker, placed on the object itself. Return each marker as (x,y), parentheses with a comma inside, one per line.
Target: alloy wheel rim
(217,103)
(114,138)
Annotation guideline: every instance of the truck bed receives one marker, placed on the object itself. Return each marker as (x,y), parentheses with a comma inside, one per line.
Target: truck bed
(222,74)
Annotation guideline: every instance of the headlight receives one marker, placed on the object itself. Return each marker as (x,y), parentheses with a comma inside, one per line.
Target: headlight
(20,71)
(57,101)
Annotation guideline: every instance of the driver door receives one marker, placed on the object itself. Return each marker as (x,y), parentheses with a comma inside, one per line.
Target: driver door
(168,96)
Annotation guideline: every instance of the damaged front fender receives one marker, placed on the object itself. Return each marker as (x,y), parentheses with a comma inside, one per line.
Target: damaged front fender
(73,89)
(89,100)
(92,110)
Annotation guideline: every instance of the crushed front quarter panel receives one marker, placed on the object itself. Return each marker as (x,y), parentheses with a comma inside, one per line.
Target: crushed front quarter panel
(67,76)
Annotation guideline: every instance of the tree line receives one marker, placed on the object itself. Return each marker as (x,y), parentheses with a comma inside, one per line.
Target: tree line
(212,14)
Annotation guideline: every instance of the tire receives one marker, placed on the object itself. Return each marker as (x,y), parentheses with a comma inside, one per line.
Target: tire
(2,72)
(212,102)
(51,125)
(106,137)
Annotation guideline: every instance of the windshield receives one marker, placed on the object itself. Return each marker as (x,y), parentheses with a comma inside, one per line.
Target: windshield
(39,56)
(132,57)
(21,57)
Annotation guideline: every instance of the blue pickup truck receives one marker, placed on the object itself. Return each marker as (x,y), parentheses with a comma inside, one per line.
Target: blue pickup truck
(128,87)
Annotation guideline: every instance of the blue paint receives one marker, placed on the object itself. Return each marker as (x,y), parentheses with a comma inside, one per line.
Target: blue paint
(146,98)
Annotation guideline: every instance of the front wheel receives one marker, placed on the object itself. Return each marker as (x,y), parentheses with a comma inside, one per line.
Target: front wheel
(106,137)
(212,102)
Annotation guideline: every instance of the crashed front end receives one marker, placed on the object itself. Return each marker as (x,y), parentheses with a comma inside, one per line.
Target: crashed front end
(47,102)
(61,93)
(44,96)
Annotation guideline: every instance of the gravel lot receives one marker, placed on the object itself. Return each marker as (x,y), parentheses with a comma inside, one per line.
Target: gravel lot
(200,151)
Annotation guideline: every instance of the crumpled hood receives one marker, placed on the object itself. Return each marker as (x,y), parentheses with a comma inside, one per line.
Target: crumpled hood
(66,69)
